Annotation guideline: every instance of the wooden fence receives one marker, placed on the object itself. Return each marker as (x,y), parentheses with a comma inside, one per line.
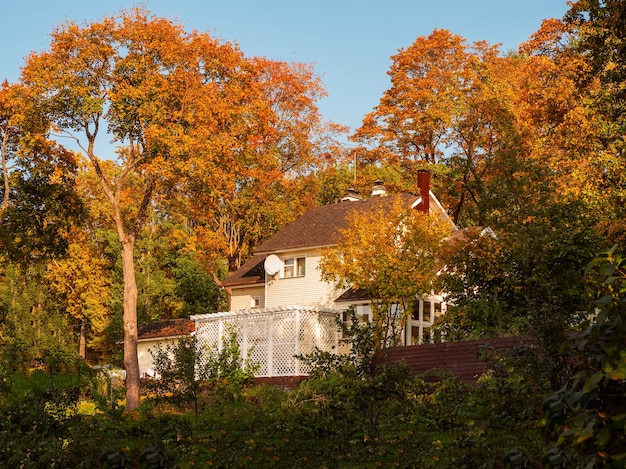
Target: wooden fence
(463,359)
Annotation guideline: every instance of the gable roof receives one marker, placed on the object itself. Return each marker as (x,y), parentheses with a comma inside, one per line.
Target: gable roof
(252,272)
(320,226)
(353,294)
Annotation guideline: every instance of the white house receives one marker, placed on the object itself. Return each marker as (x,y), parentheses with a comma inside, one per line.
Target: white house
(283,271)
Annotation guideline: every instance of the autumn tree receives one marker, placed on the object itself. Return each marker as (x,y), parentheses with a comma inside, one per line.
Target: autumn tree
(267,192)
(391,253)
(174,103)
(80,281)
(448,109)
(187,112)
(9,135)
(40,207)
(596,28)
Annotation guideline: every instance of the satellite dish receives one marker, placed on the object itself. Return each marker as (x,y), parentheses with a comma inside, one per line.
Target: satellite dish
(273,264)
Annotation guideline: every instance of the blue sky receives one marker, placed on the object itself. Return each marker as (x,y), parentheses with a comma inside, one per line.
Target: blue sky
(348,41)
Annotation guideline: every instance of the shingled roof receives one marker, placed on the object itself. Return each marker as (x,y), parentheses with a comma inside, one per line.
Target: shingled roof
(166,328)
(248,274)
(318,227)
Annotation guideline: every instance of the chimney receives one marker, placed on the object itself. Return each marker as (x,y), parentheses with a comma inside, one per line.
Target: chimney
(423,182)
(379,188)
(351,195)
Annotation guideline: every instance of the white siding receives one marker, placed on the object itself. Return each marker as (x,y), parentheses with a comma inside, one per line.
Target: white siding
(241,298)
(143,352)
(309,290)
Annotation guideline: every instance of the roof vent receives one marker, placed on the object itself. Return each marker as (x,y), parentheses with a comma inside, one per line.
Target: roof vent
(379,188)
(351,195)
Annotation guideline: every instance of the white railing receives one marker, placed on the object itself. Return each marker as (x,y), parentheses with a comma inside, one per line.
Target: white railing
(271,338)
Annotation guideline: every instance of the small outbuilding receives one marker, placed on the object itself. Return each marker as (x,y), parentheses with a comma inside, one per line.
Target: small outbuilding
(159,333)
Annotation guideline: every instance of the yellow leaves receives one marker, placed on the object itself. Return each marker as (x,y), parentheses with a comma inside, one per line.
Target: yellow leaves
(390,251)
(80,280)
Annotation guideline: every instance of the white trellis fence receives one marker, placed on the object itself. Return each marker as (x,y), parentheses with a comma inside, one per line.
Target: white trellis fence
(270,338)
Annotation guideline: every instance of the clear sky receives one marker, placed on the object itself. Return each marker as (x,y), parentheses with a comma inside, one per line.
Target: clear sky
(350,42)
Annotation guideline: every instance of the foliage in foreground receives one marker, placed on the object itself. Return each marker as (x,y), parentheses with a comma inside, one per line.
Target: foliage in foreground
(587,416)
(387,420)
(349,414)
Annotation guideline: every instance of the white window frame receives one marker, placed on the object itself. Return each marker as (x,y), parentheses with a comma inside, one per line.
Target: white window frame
(292,266)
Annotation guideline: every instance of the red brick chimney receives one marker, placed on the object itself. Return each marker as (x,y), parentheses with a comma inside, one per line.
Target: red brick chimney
(423,182)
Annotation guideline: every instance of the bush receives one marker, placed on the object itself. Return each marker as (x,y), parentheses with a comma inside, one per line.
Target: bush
(184,370)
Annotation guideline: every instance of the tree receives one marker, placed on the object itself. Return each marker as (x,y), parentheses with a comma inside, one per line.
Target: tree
(267,193)
(586,416)
(175,103)
(80,281)
(34,332)
(449,109)
(414,115)
(391,253)
(596,28)
(9,133)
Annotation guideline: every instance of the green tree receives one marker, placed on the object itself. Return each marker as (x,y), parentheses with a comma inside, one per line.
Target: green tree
(587,416)
(194,286)
(35,333)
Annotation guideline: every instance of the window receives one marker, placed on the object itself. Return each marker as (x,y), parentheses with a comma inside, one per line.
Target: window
(365,313)
(294,267)
(396,310)
(426,316)
(255,301)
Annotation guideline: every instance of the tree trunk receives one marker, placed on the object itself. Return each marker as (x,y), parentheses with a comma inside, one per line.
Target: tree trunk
(131,360)
(5,172)
(82,340)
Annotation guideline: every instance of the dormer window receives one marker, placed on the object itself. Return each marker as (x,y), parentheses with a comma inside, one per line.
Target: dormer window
(294,267)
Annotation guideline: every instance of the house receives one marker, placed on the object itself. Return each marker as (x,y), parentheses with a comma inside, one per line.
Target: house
(159,333)
(283,272)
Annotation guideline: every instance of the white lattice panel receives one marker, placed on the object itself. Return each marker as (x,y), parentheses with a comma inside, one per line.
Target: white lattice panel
(271,338)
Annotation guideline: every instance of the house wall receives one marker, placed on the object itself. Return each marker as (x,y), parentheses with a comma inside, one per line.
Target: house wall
(146,363)
(309,290)
(242,298)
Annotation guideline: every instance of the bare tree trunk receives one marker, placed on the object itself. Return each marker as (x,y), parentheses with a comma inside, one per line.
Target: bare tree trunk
(131,359)
(127,241)
(218,287)
(5,172)
(82,340)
